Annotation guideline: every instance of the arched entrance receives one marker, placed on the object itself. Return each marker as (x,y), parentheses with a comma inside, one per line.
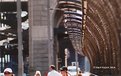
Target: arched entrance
(68,33)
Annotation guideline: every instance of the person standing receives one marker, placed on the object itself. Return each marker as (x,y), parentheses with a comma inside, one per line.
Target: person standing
(64,71)
(53,72)
(8,72)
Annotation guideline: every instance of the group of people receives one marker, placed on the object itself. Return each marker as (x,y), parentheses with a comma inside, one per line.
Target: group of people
(52,72)
(63,71)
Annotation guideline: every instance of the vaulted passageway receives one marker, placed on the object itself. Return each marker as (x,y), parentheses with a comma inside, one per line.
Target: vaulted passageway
(96,34)
(92,26)
(102,35)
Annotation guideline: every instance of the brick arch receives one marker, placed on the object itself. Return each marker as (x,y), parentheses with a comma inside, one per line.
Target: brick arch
(102,30)
(101,34)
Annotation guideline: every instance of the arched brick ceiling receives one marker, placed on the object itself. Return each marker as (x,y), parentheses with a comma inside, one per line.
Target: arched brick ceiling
(102,33)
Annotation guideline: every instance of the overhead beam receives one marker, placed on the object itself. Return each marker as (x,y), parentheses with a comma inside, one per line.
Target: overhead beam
(11,6)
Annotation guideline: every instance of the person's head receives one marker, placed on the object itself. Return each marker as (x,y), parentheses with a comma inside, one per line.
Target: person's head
(52,67)
(64,71)
(64,68)
(8,72)
(37,73)
(80,71)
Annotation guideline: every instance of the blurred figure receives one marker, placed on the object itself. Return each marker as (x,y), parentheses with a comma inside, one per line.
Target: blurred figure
(80,73)
(38,73)
(64,71)
(8,72)
(53,72)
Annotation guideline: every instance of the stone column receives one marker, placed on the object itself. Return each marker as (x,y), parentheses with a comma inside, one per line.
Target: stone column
(40,36)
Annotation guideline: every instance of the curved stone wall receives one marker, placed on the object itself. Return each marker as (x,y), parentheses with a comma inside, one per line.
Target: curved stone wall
(102,37)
